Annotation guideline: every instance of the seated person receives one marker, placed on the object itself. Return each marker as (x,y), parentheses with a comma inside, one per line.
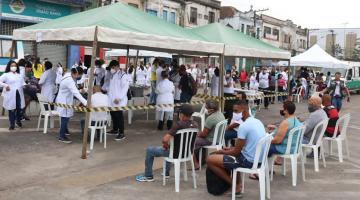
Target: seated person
(233,127)
(250,133)
(279,143)
(205,137)
(98,99)
(332,114)
(316,115)
(184,122)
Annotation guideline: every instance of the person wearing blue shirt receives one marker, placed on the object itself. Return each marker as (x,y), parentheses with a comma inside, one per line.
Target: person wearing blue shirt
(242,154)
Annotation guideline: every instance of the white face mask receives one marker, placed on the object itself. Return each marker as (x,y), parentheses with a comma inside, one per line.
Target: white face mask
(112,71)
(237,116)
(13,69)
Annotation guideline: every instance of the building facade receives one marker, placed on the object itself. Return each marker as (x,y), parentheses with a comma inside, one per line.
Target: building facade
(201,12)
(343,43)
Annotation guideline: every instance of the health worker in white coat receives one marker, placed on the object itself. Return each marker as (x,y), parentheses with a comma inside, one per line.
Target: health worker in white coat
(99,73)
(66,94)
(141,74)
(13,94)
(117,92)
(47,82)
(165,90)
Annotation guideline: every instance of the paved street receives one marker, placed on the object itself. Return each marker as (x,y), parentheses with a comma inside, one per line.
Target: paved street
(36,166)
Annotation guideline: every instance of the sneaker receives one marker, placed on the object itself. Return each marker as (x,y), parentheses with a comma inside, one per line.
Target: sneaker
(67,133)
(65,140)
(19,124)
(112,132)
(11,128)
(120,137)
(26,118)
(143,178)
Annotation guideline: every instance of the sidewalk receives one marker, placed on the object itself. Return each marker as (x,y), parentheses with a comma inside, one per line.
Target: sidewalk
(36,166)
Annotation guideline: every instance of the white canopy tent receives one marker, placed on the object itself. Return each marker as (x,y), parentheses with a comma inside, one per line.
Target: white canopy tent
(133,53)
(316,57)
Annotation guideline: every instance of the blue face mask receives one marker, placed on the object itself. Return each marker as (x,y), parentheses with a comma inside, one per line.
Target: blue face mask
(78,78)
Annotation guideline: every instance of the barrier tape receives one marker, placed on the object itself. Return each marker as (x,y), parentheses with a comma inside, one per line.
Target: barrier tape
(248,97)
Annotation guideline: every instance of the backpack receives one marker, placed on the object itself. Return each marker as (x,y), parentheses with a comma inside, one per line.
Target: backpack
(192,84)
(215,185)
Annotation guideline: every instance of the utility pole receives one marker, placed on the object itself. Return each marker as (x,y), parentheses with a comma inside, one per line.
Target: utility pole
(255,11)
(333,42)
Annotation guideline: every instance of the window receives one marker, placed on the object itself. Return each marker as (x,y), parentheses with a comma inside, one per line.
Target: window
(133,5)
(5,47)
(242,28)
(151,12)
(267,32)
(193,15)
(206,17)
(172,17)
(211,17)
(247,29)
(165,15)
(276,34)
(287,39)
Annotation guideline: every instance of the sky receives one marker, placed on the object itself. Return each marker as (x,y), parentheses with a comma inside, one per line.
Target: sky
(307,13)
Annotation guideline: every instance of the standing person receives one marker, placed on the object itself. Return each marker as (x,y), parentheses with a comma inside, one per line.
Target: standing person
(264,80)
(67,91)
(281,85)
(22,63)
(228,92)
(165,95)
(214,85)
(243,78)
(99,73)
(337,90)
(254,84)
(186,85)
(141,74)
(13,83)
(328,79)
(37,68)
(332,114)
(59,73)
(117,92)
(159,70)
(235,122)
(153,81)
(47,82)
(175,78)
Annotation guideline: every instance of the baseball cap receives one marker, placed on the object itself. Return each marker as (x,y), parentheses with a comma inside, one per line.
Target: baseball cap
(186,110)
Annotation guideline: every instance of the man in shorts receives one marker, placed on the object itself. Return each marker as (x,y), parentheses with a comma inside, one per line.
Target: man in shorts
(242,154)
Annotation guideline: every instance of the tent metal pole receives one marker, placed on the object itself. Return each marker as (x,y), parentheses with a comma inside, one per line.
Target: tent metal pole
(289,80)
(90,92)
(207,81)
(127,57)
(221,84)
(135,66)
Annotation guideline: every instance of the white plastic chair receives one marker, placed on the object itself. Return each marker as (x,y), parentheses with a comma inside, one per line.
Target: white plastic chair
(315,145)
(298,94)
(201,115)
(218,140)
(186,139)
(46,113)
(261,155)
(342,125)
(98,125)
(296,134)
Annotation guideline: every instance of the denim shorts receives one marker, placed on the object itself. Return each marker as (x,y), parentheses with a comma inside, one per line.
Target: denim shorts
(230,162)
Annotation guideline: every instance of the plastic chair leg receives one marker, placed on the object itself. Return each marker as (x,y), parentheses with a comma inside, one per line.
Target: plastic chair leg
(284,167)
(262,185)
(104,134)
(193,173)
(200,158)
(185,172)
(294,170)
(52,121)
(101,131)
(233,185)
(271,163)
(322,155)
(242,182)
(267,179)
(340,152)
(330,147)
(177,176)
(316,159)
(46,120)
(302,165)
(39,121)
(92,138)
(164,171)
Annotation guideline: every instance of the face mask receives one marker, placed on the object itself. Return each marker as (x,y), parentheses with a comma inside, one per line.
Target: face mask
(78,78)
(312,108)
(13,69)
(113,71)
(282,113)
(237,116)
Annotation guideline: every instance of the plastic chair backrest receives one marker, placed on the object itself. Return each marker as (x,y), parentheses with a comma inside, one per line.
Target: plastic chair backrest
(186,143)
(219,133)
(296,134)
(42,101)
(322,127)
(203,109)
(262,151)
(342,124)
(99,124)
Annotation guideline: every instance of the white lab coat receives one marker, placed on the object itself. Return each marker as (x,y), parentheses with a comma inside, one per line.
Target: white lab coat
(67,92)
(118,87)
(254,85)
(165,95)
(214,86)
(16,82)
(141,76)
(100,74)
(59,74)
(264,80)
(158,75)
(47,82)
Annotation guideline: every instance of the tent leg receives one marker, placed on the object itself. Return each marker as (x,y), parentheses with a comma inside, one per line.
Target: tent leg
(221,84)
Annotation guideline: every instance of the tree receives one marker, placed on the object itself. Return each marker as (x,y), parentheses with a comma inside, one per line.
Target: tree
(356,52)
(339,52)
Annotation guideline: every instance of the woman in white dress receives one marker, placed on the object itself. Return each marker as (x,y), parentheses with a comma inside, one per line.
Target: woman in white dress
(141,74)
(214,85)
(254,84)
(47,82)
(165,95)
(13,94)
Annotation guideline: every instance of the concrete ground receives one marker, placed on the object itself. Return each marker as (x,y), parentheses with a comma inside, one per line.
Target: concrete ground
(36,166)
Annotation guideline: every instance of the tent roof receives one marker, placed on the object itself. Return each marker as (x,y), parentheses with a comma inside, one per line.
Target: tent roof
(316,57)
(133,53)
(239,44)
(118,25)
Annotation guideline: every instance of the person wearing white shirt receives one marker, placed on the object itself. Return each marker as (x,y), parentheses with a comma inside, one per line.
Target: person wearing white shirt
(264,80)
(175,78)
(67,91)
(228,92)
(117,92)
(159,70)
(236,121)
(22,63)
(141,75)
(214,85)
(47,82)
(59,73)
(165,95)
(254,84)
(99,73)
(13,94)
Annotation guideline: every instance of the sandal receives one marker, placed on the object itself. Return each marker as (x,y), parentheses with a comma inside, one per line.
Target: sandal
(254,177)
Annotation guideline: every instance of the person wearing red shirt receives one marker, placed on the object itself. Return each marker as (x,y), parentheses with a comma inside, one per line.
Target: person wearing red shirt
(332,114)
(243,78)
